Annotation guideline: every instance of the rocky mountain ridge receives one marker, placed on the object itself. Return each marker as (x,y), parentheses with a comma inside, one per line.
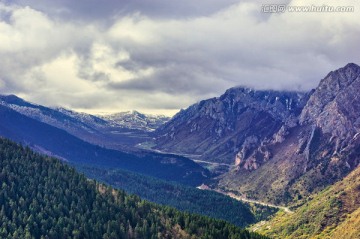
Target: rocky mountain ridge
(335,106)
(237,121)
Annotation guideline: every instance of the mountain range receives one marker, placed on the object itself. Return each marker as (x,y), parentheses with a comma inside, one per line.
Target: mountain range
(64,134)
(282,145)
(48,139)
(295,149)
(116,131)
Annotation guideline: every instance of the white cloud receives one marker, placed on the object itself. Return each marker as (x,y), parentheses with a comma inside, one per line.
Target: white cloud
(140,61)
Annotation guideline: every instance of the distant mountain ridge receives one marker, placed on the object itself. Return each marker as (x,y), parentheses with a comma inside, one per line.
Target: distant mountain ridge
(114,131)
(135,120)
(60,116)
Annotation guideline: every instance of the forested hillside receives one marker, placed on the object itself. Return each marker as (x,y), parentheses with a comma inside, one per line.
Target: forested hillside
(43,198)
(184,198)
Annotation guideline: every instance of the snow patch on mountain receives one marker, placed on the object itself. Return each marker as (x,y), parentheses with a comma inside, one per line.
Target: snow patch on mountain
(135,120)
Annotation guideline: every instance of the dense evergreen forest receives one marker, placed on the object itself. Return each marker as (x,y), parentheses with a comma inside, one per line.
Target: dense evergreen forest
(42,197)
(182,197)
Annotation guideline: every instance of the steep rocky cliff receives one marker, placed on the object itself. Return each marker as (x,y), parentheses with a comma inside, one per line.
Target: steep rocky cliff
(320,147)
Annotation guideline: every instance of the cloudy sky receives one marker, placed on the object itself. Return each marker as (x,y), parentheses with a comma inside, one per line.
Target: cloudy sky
(158,56)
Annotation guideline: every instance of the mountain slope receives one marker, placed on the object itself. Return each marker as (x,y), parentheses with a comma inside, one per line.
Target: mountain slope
(43,198)
(181,197)
(321,147)
(54,141)
(74,123)
(113,131)
(332,213)
(239,120)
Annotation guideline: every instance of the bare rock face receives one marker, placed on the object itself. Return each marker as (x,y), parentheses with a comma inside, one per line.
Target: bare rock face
(335,105)
(331,114)
(310,151)
(230,127)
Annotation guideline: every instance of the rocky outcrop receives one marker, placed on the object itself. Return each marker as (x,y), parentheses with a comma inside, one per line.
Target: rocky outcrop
(335,105)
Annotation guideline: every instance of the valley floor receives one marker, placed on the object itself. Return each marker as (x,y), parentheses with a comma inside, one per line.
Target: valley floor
(243,199)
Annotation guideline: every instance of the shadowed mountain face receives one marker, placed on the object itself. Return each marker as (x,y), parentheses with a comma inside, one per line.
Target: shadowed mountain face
(54,141)
(284,145)
(117,131)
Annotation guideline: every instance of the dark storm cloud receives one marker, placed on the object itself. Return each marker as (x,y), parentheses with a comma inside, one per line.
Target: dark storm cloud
(174,80)
(97,9)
